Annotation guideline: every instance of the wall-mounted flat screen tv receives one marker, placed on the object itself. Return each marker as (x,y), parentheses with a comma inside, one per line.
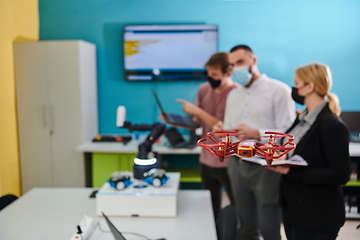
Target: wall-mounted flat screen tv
(168,52)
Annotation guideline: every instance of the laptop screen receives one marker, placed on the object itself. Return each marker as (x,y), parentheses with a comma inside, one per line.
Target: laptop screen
(158,101)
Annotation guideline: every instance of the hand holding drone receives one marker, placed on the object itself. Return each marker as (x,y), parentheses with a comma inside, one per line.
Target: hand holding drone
(247,148)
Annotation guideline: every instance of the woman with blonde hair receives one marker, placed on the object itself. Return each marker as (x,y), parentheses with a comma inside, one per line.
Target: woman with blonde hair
(311,197)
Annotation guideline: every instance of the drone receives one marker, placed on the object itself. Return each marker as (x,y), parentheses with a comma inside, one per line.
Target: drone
(247,148)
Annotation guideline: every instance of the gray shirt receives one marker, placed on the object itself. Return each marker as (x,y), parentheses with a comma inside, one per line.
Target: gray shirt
(306,120)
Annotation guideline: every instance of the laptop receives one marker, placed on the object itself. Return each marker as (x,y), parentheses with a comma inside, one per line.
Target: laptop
(177,141)
(175,138)
(178,120)
(352,121)
(117,235)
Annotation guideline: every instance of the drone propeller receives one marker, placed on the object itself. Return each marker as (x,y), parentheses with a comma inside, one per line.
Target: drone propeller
(272,136)
(266,146)
(200,143)
(222,133)
(277,135)
(276,148)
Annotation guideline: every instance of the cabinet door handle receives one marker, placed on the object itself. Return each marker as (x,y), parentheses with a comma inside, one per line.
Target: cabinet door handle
(44,115)
(52,112)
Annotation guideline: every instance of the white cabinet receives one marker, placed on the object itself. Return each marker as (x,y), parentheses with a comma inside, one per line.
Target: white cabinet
(56,97)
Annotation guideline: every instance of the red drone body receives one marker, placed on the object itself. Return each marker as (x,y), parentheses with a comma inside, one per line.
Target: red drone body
(247,148)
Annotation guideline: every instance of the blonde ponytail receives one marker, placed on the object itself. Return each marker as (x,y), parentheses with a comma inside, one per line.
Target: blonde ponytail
(334,103)
(320,75)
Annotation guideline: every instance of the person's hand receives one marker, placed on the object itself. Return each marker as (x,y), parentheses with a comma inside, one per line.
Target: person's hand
(218,126)
(279,169)
(278,153)
(162,118)
(188,107)
(243,132)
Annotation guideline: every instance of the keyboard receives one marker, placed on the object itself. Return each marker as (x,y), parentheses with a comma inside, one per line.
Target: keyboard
(180,120)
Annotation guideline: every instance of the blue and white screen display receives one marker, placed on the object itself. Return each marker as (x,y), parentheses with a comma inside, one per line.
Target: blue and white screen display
(168,52)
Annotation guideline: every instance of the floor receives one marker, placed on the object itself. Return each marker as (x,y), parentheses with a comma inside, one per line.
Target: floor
(348,232)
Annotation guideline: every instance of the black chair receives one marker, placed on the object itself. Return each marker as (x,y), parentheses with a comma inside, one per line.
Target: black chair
(6,200)
(228,224)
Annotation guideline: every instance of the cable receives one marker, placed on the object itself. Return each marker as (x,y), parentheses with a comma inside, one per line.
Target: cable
(101,228)
(137,234)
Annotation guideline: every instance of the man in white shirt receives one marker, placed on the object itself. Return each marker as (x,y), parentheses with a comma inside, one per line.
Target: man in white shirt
(260,104)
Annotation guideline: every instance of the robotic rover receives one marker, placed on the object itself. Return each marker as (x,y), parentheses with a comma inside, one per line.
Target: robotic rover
(155,177)
(119,180)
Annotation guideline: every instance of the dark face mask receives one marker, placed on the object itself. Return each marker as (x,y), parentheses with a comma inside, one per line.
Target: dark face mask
(214,83)
(297,98)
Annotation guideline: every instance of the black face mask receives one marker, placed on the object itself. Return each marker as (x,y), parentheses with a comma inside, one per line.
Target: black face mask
(297,98)
(214,83)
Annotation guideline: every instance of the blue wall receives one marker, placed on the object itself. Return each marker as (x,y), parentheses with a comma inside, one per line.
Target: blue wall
(283,34)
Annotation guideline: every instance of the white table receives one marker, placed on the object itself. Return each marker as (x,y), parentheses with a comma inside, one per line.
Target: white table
(53,213)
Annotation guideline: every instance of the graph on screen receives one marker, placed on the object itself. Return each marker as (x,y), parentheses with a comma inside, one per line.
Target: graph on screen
(168,52)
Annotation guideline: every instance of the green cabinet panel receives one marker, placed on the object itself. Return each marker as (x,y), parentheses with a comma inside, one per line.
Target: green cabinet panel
(103,164)
(187,164)
(187,174)
(353,184)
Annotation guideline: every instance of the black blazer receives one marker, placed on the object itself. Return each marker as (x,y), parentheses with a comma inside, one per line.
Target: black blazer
(311,196)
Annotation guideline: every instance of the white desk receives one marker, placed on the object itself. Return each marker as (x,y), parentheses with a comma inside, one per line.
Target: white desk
(53,213)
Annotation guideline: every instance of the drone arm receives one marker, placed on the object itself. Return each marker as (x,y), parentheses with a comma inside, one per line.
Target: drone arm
(207,146)
(212,151)
(259,152)
(286,149)
(209,136)
(231,149)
